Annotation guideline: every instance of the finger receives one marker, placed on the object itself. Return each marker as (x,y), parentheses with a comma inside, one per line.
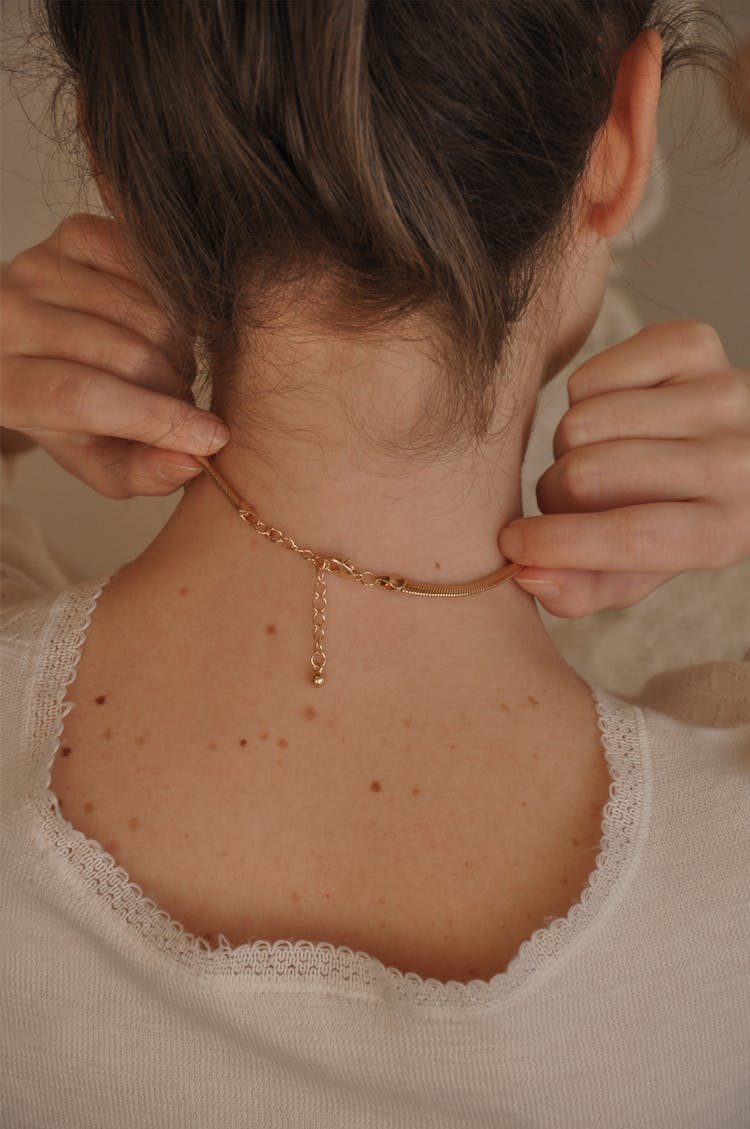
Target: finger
(119,300)
(46,332)
(100,242)
(665,352)
(69,397)
(655,537)
(116,468)
(717,402)
(603,476)
(583,592)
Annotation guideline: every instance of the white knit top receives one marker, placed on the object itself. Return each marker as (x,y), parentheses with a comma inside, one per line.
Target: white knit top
(632,1012)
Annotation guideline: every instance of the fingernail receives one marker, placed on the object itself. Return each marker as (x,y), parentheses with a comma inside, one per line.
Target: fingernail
(210,434)
(544,589)
(178,472)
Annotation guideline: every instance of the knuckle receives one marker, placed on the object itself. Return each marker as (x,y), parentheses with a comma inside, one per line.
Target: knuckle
(579,384)
(701,338)
(731,397)
(726,466)
(636,537)
(580,476)
(24,270)
(70,393)
(572,429)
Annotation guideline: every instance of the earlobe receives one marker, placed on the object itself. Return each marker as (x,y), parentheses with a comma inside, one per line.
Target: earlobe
(620,160)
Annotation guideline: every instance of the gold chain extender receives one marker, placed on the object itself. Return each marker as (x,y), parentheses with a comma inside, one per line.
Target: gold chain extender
(345,567)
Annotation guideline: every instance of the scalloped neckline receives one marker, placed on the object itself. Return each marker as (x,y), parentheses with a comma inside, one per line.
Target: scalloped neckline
(322,964)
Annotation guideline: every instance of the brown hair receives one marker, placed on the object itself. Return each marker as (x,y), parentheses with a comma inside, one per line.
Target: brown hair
(415,158)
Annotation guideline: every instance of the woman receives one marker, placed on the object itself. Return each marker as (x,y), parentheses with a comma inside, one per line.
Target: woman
(407,868)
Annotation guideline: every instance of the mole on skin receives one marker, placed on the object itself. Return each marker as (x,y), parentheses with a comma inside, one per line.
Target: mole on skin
(532,701)
(183,591)
(282,742)
(66,751)
(101,699)
(375,786)
(310,712)
(243,741)
(271,629)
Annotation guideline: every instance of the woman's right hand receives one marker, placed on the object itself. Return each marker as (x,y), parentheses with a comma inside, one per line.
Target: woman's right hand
(90,370)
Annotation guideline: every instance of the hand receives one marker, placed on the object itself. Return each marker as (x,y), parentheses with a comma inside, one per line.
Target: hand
(90,369)
(651,474)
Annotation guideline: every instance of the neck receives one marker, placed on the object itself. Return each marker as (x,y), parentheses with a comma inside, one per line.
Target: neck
(249,602)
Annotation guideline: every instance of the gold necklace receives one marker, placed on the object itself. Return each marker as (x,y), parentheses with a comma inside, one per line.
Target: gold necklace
(344,567)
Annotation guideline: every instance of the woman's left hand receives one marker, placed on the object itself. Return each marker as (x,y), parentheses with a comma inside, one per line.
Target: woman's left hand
(651,474)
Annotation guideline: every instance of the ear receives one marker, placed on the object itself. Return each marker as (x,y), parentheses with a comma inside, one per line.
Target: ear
(620,160)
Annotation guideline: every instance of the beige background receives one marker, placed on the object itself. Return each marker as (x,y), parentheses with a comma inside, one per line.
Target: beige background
(685,255)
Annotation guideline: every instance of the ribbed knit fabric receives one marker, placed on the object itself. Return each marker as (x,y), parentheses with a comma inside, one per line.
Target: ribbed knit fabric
(632,1012)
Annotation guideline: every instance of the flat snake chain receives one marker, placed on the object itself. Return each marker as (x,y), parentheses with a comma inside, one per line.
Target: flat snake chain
(345,567)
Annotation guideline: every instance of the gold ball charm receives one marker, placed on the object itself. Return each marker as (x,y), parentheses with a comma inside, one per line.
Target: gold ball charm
(318,679)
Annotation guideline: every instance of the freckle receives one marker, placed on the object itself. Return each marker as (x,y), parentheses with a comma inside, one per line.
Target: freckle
(107,734)
(565,882)
(381,901)
(467,866)
(328,893)
(101,699)
(133,823)
(407,721)
(524,804)
(451,746)
(140,740)
(223,854)
(282,742)
(264,736)
(504,707)
(532,701)
(575,842)
(375,786)
(66,751)
(211,745)
(279,761)
(88,806)
(381,924)
(310,712)
(295,896)
(243,741)
(437,565)
(183,591)
(271,629)
(186,834)
(415,791)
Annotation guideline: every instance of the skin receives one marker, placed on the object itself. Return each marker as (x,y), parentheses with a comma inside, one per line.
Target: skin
(433,708)
(315,479)
(87,358)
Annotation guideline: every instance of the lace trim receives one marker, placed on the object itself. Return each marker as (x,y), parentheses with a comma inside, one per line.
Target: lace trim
(322,963)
